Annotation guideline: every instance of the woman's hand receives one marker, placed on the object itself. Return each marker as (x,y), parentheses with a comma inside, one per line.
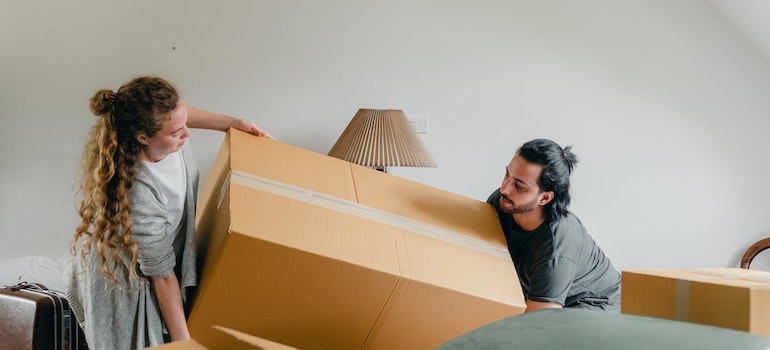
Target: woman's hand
(250,127)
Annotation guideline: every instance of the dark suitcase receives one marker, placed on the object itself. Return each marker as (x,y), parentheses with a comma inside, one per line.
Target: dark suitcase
(33,317)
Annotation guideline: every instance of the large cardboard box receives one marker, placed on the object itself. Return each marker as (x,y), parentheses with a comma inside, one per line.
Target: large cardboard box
(727,297)
(318,253)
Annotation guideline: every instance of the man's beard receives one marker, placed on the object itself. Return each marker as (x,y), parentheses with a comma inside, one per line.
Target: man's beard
(519,209)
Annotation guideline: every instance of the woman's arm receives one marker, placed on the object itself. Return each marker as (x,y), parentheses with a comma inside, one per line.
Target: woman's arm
(201,119)
(170,301)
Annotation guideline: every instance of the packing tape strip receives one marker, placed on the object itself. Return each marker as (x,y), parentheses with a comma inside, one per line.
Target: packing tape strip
(682,304)
(356,209)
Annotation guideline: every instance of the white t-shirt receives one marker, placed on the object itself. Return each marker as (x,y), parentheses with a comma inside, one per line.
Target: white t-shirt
(170,173)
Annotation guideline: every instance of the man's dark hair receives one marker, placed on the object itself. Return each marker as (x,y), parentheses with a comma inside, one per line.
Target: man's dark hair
(557,166)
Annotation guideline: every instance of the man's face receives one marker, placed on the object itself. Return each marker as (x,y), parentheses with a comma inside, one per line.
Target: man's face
(519,191)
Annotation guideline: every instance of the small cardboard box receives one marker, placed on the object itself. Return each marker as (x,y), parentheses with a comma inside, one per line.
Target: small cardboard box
(318,253)
(724,297)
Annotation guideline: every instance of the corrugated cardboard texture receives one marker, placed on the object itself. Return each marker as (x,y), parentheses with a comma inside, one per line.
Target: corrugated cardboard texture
(323,254)
(730,298)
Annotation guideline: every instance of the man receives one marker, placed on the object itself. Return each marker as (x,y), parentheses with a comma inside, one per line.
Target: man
(558,263)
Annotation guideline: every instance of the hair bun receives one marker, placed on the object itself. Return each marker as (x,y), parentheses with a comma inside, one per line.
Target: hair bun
(102,102)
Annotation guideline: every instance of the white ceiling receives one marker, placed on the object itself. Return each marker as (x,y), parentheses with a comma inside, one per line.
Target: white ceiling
(750,19)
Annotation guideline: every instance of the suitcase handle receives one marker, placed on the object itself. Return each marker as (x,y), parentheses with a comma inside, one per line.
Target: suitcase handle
(27,285)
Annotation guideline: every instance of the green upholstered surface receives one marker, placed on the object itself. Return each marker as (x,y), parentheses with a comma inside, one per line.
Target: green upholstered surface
(583,330)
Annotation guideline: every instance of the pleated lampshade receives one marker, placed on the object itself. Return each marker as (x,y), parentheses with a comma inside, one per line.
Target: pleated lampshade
(380,138)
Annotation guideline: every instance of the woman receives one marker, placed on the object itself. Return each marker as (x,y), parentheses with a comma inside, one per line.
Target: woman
(134,248)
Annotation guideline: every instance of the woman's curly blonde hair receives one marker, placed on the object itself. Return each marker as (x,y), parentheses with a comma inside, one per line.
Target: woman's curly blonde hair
(108,168)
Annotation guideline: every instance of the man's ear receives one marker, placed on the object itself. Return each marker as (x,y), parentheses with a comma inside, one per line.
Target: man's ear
(143,139)
(545,198)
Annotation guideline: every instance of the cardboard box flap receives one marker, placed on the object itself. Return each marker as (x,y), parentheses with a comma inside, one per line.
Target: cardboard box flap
(259,343)
(246,341)
(298,167)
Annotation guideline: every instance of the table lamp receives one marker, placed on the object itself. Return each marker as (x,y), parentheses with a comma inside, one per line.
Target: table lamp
(380,138)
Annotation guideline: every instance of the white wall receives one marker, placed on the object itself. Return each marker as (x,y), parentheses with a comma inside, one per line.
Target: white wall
(664,104)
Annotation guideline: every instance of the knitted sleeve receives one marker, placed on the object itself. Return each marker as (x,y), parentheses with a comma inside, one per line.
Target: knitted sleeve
(148,220)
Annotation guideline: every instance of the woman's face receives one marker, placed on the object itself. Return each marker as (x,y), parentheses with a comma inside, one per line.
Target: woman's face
(169,138)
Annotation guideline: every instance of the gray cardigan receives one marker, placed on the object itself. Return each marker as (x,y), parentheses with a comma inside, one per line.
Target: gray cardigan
(131,318)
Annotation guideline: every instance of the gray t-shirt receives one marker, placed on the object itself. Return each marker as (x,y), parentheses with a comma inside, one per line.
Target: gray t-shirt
(559,262)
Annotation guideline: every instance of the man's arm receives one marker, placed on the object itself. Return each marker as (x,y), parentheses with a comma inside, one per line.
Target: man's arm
(536,305)
(201,119)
